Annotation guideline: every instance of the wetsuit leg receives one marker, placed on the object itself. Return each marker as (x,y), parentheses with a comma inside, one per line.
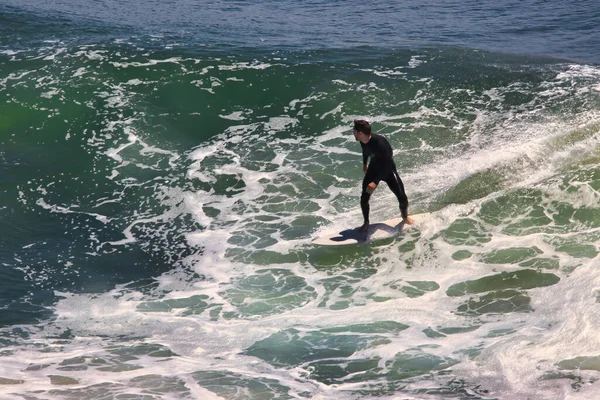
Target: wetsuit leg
(397,187)
(371,176)
(364,205)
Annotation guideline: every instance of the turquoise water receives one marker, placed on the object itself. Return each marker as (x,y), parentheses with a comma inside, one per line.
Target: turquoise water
(165,166)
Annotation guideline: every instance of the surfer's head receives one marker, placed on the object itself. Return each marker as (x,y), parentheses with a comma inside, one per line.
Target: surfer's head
(362,129)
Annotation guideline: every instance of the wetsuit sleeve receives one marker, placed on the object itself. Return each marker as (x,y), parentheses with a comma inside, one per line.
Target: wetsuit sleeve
(364,155)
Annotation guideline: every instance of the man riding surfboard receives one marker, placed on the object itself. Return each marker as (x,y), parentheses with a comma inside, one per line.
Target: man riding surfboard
(380,168)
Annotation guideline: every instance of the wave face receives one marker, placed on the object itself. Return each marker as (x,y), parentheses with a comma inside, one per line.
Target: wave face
(159,195)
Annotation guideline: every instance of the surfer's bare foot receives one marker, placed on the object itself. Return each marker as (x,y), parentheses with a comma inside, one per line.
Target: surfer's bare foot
(363,228)
(408,220)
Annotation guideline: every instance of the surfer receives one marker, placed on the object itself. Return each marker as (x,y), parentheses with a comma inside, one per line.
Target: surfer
(381,168)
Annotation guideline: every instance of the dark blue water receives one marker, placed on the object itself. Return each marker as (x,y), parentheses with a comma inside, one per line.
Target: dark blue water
(551,28)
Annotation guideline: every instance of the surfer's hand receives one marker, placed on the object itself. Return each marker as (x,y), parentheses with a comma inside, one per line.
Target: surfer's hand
(371,187)
(365,168)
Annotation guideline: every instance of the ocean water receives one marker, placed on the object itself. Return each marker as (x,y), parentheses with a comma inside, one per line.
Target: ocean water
(164,167)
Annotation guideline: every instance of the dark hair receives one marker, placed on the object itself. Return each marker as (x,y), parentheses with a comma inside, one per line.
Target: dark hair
(362,126)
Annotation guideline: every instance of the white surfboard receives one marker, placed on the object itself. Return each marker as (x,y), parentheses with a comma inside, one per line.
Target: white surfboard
(378,231)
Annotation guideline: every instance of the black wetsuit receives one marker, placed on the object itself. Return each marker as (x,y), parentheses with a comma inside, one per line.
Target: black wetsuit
(381,168)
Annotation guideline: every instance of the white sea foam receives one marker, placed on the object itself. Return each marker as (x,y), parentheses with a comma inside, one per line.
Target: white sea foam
(234,116)
(415,61)
(58,52)
(245,65)
(66,210)
(149,63)
(80,72)
(50,94)
(279,179)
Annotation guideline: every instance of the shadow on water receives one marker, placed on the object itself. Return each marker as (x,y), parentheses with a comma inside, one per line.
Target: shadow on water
(376,231)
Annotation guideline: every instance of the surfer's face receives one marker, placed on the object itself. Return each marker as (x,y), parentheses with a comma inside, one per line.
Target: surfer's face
(360,136)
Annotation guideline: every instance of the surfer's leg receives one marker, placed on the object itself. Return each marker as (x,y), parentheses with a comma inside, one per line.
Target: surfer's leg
(370,177)
(397,187)
(364,202)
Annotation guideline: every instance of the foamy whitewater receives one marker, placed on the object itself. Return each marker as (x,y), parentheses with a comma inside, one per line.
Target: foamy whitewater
(160,193)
